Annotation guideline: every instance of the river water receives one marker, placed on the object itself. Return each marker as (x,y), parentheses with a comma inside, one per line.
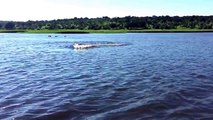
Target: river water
(166,76)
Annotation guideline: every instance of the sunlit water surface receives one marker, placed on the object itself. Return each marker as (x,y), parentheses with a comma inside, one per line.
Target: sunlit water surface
(153,76)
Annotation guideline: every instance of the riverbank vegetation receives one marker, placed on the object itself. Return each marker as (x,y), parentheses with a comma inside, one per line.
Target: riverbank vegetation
(108,31)
(113,25)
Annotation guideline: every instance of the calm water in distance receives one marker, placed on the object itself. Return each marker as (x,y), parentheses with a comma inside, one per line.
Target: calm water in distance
(153,76)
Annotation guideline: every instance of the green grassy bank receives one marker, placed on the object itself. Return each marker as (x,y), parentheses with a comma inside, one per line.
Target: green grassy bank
(109,31)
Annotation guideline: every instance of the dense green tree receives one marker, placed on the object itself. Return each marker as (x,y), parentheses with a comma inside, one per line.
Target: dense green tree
(128,22)
(9,26)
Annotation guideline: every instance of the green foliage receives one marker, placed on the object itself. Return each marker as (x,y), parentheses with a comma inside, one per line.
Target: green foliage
(9,26)
(128,22)
(179,30)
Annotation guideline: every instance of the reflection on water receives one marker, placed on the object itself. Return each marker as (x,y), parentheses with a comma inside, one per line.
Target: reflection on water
(154,76)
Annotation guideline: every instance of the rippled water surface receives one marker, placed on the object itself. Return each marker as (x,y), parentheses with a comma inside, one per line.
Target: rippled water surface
(153,76)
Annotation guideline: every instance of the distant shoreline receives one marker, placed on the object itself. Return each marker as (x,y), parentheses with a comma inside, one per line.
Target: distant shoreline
(109,31)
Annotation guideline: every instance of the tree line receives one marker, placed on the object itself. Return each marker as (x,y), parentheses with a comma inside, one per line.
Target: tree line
(106,23)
